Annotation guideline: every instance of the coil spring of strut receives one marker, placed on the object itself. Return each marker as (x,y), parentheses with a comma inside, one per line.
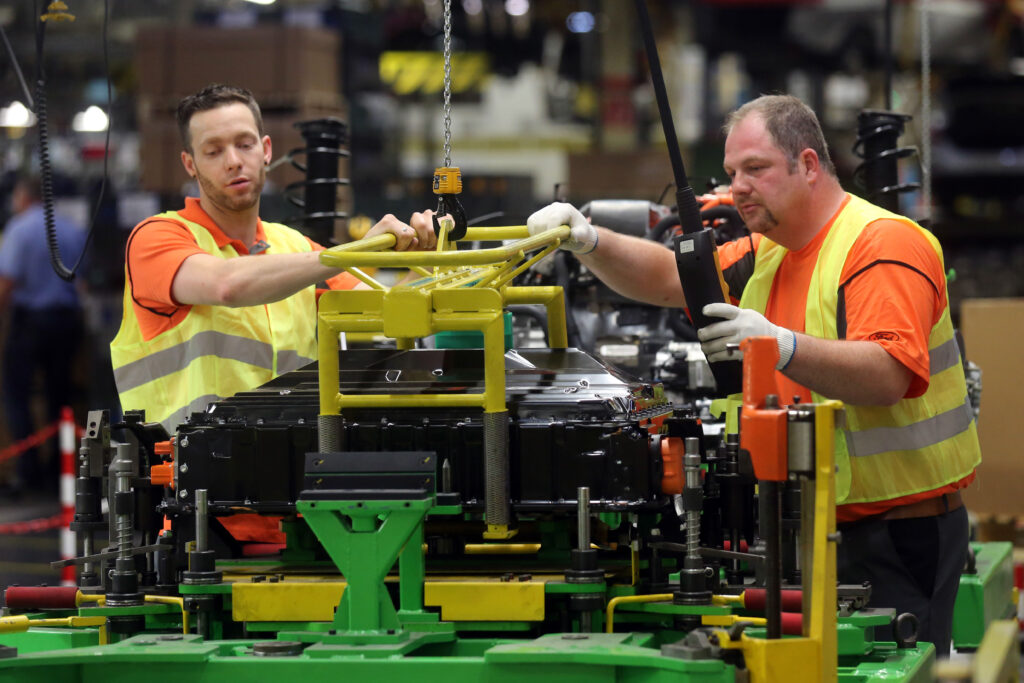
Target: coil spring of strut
(325,139)
(877,135)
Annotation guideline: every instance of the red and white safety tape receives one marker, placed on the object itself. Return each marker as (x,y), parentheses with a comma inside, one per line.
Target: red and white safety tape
(30,441)
(32,526)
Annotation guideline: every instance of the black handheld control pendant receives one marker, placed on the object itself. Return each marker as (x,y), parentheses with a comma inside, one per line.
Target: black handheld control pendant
(701,278)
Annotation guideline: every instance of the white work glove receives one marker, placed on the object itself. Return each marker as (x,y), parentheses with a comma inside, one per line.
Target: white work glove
(582,236)
(739,324)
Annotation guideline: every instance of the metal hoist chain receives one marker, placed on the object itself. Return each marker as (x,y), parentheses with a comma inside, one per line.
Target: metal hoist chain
(447,83)
(448,178)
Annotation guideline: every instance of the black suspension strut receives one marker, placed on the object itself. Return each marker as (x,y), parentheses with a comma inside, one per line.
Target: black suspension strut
(877,134)
(325,140)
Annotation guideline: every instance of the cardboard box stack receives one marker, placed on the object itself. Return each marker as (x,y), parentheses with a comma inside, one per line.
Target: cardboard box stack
(992,330)
(294,73)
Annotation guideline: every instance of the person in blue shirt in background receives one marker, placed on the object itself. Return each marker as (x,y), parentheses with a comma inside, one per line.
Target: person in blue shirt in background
(44,327)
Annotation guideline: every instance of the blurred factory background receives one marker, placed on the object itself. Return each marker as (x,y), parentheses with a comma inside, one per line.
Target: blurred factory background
(550,99)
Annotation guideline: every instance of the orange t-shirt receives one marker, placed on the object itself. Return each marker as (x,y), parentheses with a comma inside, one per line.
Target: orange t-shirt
(893,291)
(156,249)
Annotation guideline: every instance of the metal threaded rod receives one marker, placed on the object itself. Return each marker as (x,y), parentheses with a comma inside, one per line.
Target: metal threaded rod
(496,468)
(329,433)
(123,520)
(691,470)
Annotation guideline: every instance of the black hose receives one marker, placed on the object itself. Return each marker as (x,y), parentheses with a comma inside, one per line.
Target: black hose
(537,313)
(733,228)
(681,326)
(720,211)
(657,233)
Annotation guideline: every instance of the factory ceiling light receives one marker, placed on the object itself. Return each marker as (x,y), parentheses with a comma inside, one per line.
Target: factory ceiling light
(517,8)
(92,120)
(16,115)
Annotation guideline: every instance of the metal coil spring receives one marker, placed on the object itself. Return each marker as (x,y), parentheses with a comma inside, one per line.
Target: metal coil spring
(324,147)
(496,484)
(693,534)
(877,135)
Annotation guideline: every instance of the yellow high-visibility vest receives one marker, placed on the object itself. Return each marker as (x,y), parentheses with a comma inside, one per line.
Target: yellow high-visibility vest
(216,351)
(884,452)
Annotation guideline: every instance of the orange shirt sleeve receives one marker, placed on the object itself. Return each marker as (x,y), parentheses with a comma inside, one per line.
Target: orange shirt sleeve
(343,280)
(894,290)
(155,251)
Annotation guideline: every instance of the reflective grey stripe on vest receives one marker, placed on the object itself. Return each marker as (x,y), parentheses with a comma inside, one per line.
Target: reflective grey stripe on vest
(172,421)
(919,435)
(289,360)
(208,343)
(944,356)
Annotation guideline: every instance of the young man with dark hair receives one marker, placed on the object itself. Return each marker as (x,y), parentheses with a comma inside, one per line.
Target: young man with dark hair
(855,297)
(216,300)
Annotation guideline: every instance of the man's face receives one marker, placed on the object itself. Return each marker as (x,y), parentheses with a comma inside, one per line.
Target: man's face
(228,157)
(764,187)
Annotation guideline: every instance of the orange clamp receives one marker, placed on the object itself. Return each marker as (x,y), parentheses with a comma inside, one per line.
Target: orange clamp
(672,451)
(763,424)
(162,474)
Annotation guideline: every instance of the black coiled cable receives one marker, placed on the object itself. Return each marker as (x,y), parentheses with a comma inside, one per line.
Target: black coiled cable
(46,184)
(45,169)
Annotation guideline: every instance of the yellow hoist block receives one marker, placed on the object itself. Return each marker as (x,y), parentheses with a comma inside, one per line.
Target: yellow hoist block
(57,11)
(447,180)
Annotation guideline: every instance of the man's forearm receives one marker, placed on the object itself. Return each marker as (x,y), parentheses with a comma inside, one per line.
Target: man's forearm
(635,268)
(855,372)
(246,280)
(271,277)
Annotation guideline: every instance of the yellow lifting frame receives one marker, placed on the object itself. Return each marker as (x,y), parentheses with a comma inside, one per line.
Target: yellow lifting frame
(466,291)
(435,304)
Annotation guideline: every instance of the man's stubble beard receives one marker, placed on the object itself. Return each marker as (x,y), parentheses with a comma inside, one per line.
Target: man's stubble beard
(223,200)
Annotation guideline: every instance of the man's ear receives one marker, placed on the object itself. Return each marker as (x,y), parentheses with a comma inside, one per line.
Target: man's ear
(189,163)
(810,164)
(267,150)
